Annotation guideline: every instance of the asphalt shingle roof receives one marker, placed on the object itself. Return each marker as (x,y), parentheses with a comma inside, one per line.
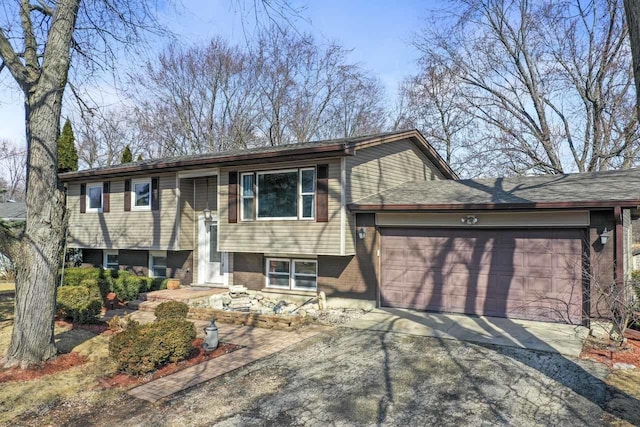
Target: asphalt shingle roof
(581,187)
(13,210)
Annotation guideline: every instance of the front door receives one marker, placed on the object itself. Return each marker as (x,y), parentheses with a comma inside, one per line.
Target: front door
(211,262)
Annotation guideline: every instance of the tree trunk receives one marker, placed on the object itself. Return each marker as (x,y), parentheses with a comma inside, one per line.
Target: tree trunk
(37,256)
(632,11)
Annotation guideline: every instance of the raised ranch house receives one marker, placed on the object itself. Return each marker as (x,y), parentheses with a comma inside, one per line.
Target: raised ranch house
(380,220)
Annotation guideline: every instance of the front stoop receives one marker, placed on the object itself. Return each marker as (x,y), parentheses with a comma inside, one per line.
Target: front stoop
(148,301)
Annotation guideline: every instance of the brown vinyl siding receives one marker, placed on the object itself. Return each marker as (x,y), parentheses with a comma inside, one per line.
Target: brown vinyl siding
(119,229)
(92,258)
(136,262)
(353,276)
(180,266)
(303,237)
(249,270)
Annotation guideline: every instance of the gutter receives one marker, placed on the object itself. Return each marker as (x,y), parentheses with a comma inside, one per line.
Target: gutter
(336,150)
(599,204)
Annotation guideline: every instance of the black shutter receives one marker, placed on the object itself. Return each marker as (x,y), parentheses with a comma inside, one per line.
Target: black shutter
(155,194)
(83,198)
(127,194)
(322,193)
(106,188)
(233,197)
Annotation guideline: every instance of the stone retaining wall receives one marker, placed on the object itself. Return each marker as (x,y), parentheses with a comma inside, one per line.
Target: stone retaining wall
(268,321)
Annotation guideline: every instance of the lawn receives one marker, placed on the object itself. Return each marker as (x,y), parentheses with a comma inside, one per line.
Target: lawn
(7,287)
(79,383)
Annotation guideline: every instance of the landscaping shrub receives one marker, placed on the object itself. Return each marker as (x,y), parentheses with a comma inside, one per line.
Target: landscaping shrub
(78,303)
(171,310)
(143,348)
(127,286)
(75,276)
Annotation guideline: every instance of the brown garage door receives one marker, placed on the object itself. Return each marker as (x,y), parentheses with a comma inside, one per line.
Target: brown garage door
(525,274)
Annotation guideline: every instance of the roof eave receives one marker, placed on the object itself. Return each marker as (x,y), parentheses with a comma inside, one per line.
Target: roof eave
(592,204)
(337,150)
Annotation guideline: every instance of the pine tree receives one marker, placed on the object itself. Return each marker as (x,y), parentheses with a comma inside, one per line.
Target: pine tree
(139,158)
(67,154)
(127,157)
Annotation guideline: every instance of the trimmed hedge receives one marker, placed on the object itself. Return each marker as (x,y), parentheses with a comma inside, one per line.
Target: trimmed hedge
(171,310)
(78,303)
(126,285)
(76,276)
(140,349)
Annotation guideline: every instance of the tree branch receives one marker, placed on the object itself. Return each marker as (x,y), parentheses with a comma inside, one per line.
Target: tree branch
(12,61)
(30,43)
(10,233)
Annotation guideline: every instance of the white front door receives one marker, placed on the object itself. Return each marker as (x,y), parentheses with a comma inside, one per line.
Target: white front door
(212,264)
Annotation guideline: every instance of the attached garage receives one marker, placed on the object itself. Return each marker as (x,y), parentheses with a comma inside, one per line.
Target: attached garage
(521,273)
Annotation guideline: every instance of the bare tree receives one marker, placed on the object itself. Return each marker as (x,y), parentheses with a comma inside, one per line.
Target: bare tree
(547,84)
(37,43)
(632,10)
(12,165)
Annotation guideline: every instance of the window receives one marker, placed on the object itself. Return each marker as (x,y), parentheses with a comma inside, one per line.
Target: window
(305,275)
(286,194)
(214,255)
(141,194)
(94,197)
(307,193)
(158,264)
(110,260)
(247,196)
(296,274)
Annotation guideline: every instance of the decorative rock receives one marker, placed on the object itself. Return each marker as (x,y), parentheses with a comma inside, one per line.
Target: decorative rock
(322,301)
(623,366)
(226,299)
(215,302)
(259,296)
(302,313)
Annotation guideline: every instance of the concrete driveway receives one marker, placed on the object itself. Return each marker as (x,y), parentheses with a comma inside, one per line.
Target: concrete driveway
(349,377)
(540,336)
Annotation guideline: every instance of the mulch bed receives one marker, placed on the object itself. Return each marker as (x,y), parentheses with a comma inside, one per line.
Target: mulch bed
(601,351)
(53,366)
(96,328)
(197,355)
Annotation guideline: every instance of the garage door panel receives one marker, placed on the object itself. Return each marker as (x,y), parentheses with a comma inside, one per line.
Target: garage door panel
(513,273)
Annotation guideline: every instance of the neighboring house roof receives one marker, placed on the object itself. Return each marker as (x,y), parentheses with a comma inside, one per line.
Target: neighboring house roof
(316,149)
(592,189)
(12,211)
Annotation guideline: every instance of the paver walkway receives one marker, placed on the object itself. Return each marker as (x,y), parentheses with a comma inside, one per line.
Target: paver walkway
(257,342)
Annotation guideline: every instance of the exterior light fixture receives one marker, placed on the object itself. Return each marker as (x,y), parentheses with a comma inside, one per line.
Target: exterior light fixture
(605,236)
(207,214)
(362,233)
(469,220)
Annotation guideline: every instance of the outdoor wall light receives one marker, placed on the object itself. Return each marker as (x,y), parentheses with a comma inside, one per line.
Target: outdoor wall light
(604,236)
(469,220)
(207,214)
(362,233)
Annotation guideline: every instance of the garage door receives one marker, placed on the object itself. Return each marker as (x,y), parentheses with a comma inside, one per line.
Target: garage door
(525,274)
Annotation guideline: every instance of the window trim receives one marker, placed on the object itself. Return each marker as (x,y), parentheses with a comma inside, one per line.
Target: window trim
(134,207)
(105,255)
(291,274)
(272,172)
(153,254)
(88,208)
(302,194)
(299,195)
(254,198)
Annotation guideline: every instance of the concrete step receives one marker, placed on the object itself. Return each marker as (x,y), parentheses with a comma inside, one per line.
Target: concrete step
(142,305)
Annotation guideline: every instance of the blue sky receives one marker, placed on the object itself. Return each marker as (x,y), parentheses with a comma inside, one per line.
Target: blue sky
(379,34)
